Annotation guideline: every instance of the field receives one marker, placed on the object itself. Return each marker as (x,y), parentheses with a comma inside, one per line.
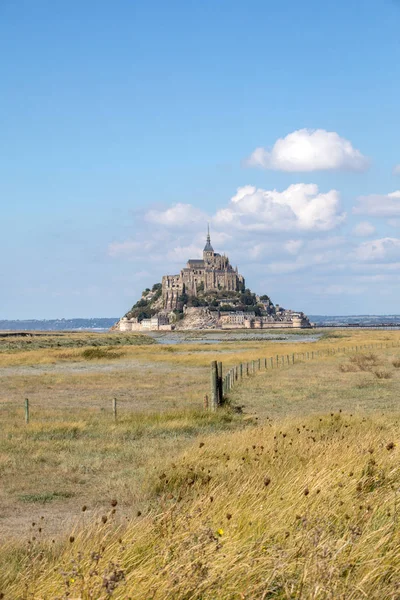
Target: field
(289,491)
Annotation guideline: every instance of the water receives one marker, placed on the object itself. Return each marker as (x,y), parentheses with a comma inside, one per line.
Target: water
(218,337)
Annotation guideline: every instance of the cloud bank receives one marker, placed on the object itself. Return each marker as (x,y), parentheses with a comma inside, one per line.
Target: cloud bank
(300,207)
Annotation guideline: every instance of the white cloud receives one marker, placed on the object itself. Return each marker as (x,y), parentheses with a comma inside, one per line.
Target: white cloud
(309,150)
(364,229)
(293,246)
(178,215)
(396,169)
(182,254)
(384,249)
(379,205)
(300,207)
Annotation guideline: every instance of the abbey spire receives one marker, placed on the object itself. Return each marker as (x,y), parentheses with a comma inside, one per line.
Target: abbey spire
(208,247)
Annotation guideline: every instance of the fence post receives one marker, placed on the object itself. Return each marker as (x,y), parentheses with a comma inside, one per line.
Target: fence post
(26,411)
(277,361)
(214,385)
(241,370)
(259,364)
(272,362)
(205,402)
(220,390)
(293,358)
(288,360)
(265,364)
(114,408)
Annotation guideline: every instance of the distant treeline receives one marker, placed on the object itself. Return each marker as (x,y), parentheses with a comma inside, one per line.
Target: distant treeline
(57,324)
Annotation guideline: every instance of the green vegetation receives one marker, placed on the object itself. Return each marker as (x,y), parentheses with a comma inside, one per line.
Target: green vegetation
(44,497)
(93,353)
(148,305)
(66,340)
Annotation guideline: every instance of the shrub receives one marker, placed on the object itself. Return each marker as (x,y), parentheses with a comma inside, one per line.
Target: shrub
(396,363)
(93,353)
(382,374)
(365,362)
(347,368)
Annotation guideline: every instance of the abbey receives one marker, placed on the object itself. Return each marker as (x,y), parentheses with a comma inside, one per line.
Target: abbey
(212,273)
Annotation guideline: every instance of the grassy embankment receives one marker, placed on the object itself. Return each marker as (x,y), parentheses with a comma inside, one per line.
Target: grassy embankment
(289,507)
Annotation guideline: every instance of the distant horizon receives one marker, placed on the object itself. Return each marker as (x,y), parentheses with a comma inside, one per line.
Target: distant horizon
(116,318)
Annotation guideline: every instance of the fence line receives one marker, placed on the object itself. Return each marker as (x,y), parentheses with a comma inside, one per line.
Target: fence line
(221,386)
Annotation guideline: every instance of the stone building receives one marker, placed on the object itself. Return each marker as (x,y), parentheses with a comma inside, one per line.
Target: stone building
(211,273)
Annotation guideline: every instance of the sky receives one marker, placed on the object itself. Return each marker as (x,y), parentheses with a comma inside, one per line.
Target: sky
(126,126)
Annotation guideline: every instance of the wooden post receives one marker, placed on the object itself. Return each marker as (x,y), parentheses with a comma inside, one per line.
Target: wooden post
(259,364)
(308,355)
(312,354)
(253,368)
(293,358)
(288,360)
(247,368)
(272,362)
(114,408)
(214,385)
(282,361)
(241,370)
(205,402)
(26,411)
(277,360)
(220,390)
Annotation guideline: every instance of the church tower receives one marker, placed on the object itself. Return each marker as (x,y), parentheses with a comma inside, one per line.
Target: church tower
(208,252)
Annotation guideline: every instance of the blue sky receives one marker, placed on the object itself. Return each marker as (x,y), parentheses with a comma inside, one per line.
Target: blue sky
(126,126)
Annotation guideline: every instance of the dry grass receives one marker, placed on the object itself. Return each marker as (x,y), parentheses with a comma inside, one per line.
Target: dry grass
(302,505)
(304,508)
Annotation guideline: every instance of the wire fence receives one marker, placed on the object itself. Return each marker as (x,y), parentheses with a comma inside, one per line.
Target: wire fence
(221,384)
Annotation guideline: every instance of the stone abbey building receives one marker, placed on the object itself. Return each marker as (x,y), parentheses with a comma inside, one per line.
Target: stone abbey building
(211,273)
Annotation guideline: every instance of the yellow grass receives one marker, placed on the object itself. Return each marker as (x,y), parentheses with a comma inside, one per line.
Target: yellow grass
(294,498)
(305,508)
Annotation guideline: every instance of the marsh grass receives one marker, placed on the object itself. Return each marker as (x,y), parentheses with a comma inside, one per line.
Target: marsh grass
(300,508)
(209,506)
(96,352)
(45,341)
